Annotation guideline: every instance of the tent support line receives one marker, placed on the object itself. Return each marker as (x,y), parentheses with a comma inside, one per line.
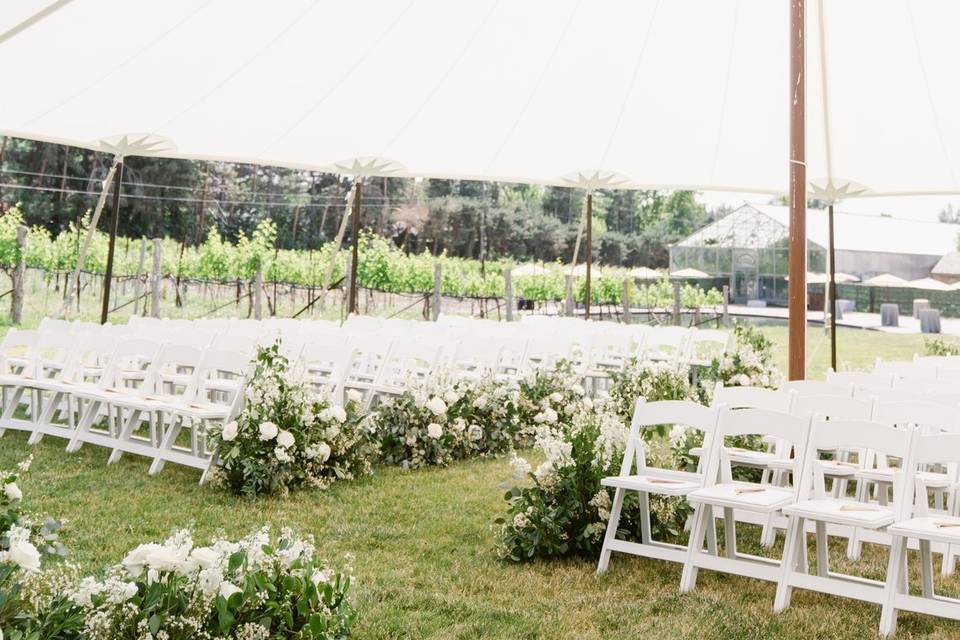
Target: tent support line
(50,9)
(338,241)
(111,244)
(82,253)
(797,289)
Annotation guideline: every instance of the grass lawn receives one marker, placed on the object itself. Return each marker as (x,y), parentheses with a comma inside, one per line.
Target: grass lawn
(423,543)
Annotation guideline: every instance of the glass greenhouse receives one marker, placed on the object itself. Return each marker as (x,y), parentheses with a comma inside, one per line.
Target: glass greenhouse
(747,248)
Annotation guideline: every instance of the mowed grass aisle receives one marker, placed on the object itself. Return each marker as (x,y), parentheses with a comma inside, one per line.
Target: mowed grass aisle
(423,542)
(424,562)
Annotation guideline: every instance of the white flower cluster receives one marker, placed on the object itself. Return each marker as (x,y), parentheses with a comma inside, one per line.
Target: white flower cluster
(203,573)
(20,550)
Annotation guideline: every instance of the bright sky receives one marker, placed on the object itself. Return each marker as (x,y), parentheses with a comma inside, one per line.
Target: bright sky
(914,207)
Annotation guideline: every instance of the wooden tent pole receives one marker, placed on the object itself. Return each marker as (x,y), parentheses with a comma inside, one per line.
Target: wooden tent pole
(832,292)
(797,288)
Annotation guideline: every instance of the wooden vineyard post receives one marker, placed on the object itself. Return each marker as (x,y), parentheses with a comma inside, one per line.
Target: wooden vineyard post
(155,279)
(20,272)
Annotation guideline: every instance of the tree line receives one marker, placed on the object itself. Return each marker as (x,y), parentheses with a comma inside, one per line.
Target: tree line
(182,199)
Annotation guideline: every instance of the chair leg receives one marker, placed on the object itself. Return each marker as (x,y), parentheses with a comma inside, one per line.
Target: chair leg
(611,533)
(645,535)
(894,586)
(128,428)
(823,556)
(926,569)
(729,533)
(711,529)
(788,563)
(701,514)
(854,545)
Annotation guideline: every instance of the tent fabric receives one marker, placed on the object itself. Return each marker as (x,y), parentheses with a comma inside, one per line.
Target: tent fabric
(665,94)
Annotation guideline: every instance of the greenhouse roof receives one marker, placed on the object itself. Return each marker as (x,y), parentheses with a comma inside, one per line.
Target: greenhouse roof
(757,226)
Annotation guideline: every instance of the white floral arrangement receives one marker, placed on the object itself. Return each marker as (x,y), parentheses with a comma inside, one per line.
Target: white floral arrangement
(437,420)
(289,436)
(561,509)
(549,396)
(647,379)
(749,365)
(256,588)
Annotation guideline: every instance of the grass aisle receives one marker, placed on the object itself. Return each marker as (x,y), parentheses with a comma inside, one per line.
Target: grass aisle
(424,561)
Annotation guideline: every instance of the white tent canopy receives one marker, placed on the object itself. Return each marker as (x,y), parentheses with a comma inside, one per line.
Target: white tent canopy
(685,93)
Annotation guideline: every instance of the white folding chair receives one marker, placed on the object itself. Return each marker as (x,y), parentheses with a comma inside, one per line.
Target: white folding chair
(706,344)
(875,471)
(926,529)
(325,368)
(721,492)
(646,480)
(819,507)
(221,379)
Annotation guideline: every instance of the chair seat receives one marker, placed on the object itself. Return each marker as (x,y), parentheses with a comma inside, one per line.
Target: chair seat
(662,481)
(750,458)
(839,468)
(744,495)
(848,512)
(884,474)
(930,479)
(205,410)
(935,528)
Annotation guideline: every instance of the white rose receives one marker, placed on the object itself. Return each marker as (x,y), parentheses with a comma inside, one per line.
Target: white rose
(204,557)
(578,389)
(285,439)
(229,432)
(354,396)
(437,406)
(434,430)
(25,555)
(338,413)
(136,559)
(475,432)
(281,455)
(268,431)
(743,380)
(163,558)
(323,451)
(451,396)
(550,416)
(227,589)
(556,396)
(13,492)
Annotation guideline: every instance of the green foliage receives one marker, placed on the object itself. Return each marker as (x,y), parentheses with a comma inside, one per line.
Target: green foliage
(941,347)
(288,436)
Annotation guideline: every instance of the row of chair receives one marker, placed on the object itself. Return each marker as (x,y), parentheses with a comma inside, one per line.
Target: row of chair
(815,431)
(152,387)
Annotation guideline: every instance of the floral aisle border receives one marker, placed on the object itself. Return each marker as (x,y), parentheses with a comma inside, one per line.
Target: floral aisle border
(260,587)
(560,508)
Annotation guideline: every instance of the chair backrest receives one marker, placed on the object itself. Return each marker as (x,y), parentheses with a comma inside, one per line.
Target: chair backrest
(925,385)
(860,379)
(817,388)
(833,407)
(326,367)
(707,344)
(18,351)
(859,435)
(781,426)
(901,369)
(752,398)
(684,413)
(930,416)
